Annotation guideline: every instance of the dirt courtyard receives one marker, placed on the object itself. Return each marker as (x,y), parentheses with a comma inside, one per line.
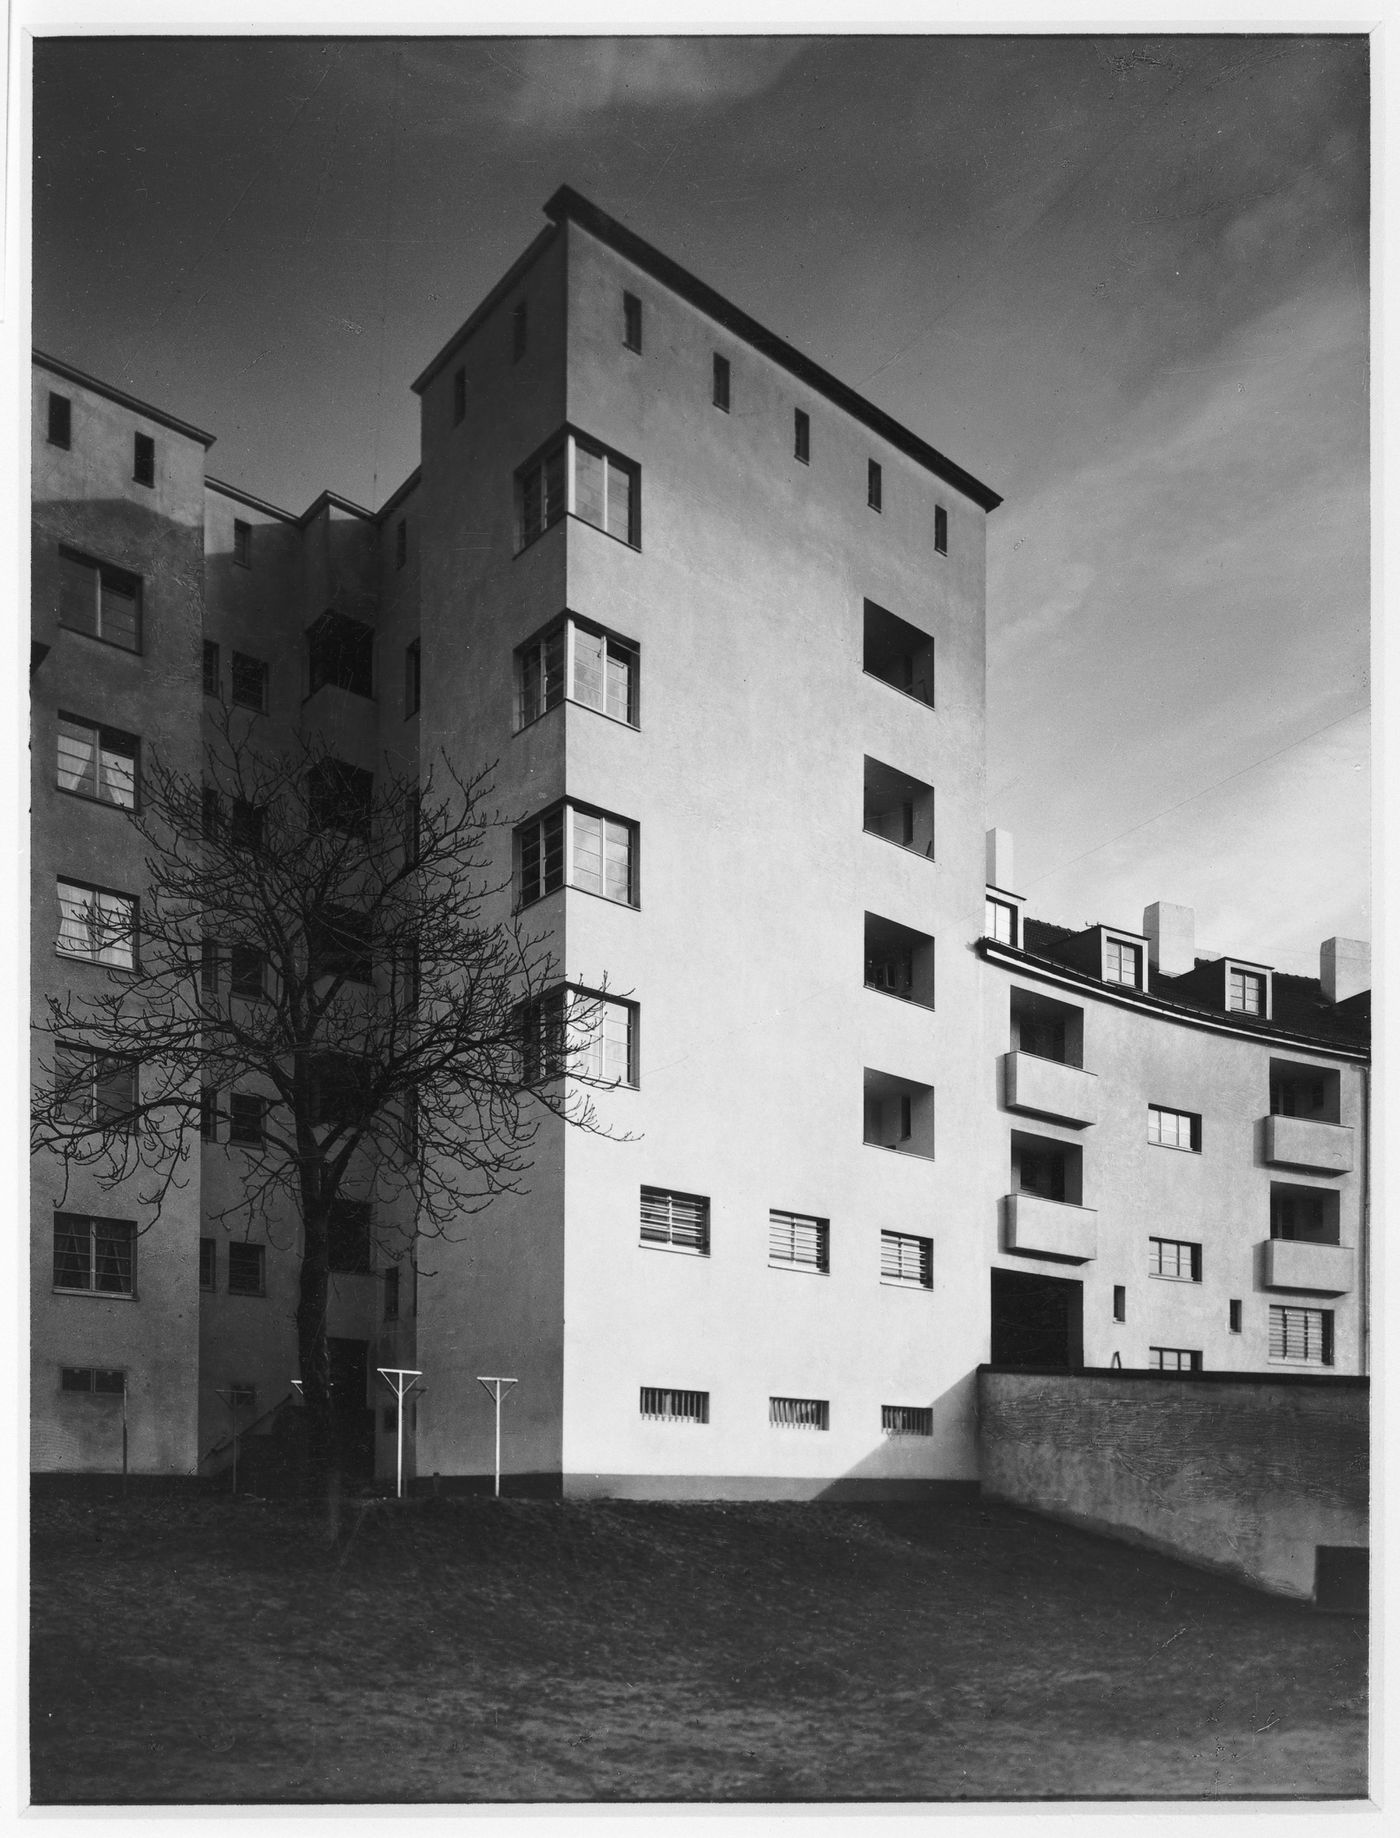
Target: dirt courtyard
(214,1650)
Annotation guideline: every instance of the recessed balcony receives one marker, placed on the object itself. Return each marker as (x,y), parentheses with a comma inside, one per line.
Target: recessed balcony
(1323,1269)
(1049,1088)
(1306,1142)
(1051,1228)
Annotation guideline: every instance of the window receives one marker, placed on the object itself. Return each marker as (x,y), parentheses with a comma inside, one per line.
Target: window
(245,1118)
(1046,1167)
(898,1114)
(1245,993)
(340,653)
(341,1087)
(898,808)
(587,481)
(906,1260)
(519,332)
(103,1381)
(97,1256)
(680,1221)
(605,1032)
(102,601)
(588,664)
(898,653)
(665,1405)
(797,1242)
(412,679)
(543,1048)
(898,960)
(143,460)
(874,486)
(247,1269)
(339,797)
(1308,1215)
(1236,1317)
(1173,1359)
(1174,1259)
(459,397)
(401,542)
(940,529)
(60,420)
(1173,1129)
(211,814)
(1120,1302)
(1301,1336)
(249,682)
(720,391)
(801,436)
(247,970)
(211,668)
(1122,963)
(597,851)
(245,827)
(799,1413)
(97,762)
(631,322)
(94,1087)
(391,1295)
(242,543)
(348,1237)
(412,824)
(209,966)
(96,925)
(340,942)
(1001,921)
(906,1420)
(208,1263)
(209,1113)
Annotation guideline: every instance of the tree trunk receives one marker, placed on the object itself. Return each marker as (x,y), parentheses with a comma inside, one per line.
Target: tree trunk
(323,1453)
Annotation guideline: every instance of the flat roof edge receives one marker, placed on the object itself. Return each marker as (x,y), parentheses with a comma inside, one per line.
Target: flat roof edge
(122,399)
(568,205)
(226,490)
(483,307)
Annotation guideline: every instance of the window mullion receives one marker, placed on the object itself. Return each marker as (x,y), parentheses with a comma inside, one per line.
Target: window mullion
(569,651)
(569,467)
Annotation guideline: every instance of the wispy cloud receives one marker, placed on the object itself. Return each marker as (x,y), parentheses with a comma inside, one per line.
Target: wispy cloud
(563,82)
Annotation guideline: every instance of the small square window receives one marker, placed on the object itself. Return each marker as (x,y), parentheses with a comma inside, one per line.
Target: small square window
(248,682)
(676,1221)
(874,486)
(1245,994)
(208,1263)
(631,322)
(906,1260)
(211,668)
(459,397)
(801,436)
(721,382)
(247,1269)
(940,529)
(143,464)
(102,1381)
(60,420)
(242,543)
(1122,963)
(94,1255)
(519,332)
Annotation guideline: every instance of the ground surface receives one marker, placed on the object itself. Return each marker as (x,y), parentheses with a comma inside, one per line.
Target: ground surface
(216,1650)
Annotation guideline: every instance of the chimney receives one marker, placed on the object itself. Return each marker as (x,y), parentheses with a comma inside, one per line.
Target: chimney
(1345,965)
(1171,938)
(999,863)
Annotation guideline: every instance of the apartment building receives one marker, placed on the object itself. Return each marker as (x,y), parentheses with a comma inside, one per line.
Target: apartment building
(718,624)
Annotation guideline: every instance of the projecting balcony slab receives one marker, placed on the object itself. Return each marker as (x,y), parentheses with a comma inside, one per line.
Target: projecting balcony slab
(1303,1142)
(1323,1269)
(1051,1228)
(1049,1088)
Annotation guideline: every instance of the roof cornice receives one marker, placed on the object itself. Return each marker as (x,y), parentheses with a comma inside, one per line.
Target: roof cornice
(122,399)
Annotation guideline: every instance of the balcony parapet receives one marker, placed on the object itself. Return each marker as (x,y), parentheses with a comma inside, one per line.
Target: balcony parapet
(1304,1142)
(1051,1228)
(1323,1269)
(1049,1088)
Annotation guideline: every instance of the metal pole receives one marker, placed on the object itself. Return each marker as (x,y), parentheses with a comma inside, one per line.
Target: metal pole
(401,1380)
(399,1418)
(498,1439)
(124,1441)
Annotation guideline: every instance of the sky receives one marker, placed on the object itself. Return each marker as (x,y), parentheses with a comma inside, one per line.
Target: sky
(1124,281)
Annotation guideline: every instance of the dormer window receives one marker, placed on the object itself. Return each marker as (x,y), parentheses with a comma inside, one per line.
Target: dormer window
(1245,992)
(1001,920)
(1122,963)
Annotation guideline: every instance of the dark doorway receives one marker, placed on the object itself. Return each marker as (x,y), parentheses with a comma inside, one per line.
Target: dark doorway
(354,1420)
(1037,1320)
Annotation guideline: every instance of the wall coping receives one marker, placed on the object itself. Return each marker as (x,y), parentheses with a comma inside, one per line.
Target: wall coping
(1348,1381)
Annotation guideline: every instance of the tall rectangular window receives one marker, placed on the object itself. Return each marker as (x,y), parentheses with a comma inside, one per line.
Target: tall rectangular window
(801,436)
(348,1236)
(604,1035)
(209,1113)
(242,543)
(799,1242)
(581,478)
(211,668)
(459,397)
(1122,963)
(60,420)
(874,486)
(591,666)
(93,1087)
(1175,1259)
(94,1255)
(1120,1302)
(799,1413)
(1301,1336)
(665,1404)
(631,322)
(721,382)
(906,1260)
(391,1294)
(1173,1129)
(1246,993)
(143,460)
(679,1221)
(245,1118)
(1001,921)
(248,682)
(97,925)
(97,762)
(247,1269)
(519,331)
(247,973)
(540,849)
(940,529)
(102,601)
(1236,1317)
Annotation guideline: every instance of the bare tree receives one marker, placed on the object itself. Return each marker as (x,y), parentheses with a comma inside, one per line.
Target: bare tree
(313,945)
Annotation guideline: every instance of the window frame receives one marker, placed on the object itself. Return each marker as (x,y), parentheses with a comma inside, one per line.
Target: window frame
(663,1409)
(802,437)
(212,655)
(241,663)
(720,382)
(242,543)
(143,459)
(59,429)
(209,1266)
(564,448)
(412,679)
(85,1074)
(895,1279)
(906,1420)
(533,841)
(1012,912)
(818,1263)
(1157,1358)
(132,931)
(785,1413)
(1158,1259)
(92,1388)
(1158,1113)
(340,655)
(127,1234)
(875,486)
(658,1234)
(556,676)
(105,740)
(1251,982)
(1326,1320)
(247,1120)
(940,529)
(246,1283)
(122,581)
(549,1045)
(1112,944)
(631,322)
